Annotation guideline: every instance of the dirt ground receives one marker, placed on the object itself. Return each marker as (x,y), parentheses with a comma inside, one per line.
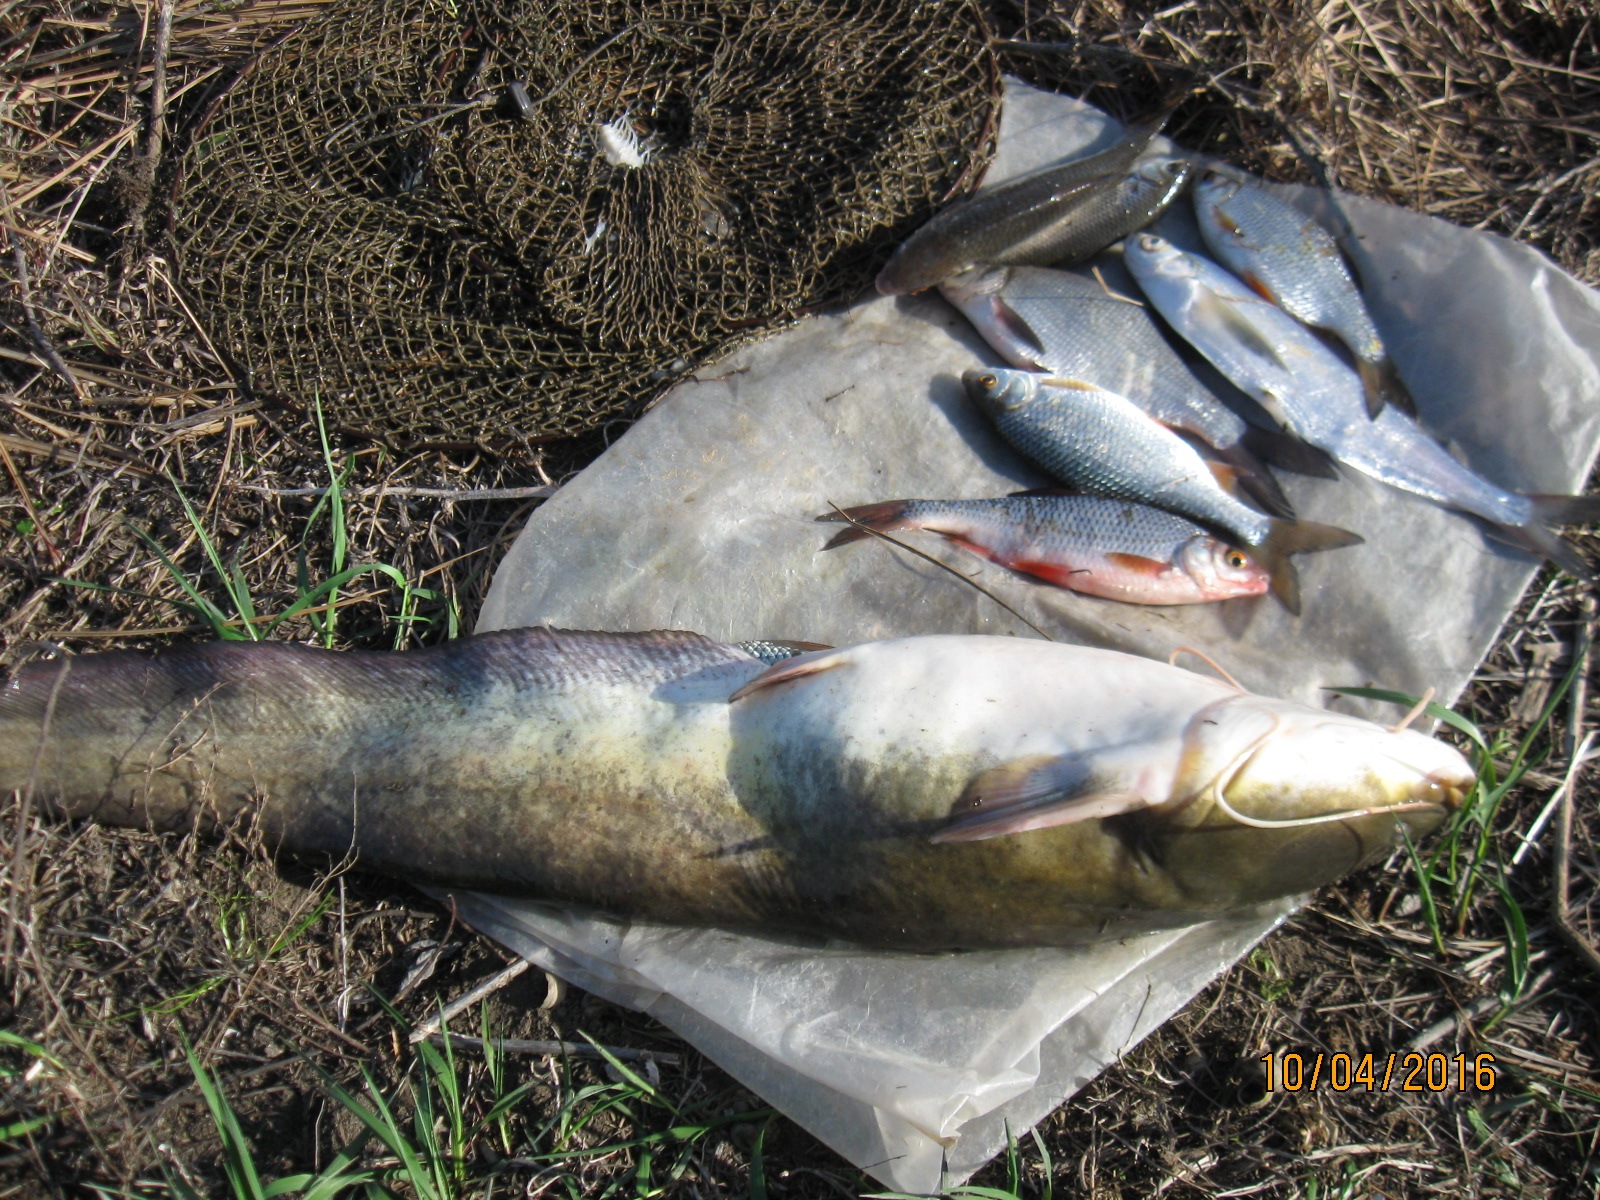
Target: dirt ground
(118,949)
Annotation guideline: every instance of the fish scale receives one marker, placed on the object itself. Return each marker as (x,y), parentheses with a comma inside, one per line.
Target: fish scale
(1070,325)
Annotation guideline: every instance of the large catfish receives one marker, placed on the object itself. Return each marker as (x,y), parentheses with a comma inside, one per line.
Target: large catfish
(925,792)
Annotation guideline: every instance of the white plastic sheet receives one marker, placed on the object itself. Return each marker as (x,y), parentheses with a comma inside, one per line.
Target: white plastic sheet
(700,517)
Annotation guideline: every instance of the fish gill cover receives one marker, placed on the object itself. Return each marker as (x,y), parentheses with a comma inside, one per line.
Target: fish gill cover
(498,223)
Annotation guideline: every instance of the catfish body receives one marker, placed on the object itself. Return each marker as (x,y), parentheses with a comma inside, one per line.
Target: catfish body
(919,793)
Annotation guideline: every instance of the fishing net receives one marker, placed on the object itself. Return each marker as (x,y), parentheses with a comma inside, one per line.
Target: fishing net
(499,222)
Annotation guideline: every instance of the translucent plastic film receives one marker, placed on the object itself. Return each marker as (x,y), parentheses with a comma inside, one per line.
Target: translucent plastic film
(702,517)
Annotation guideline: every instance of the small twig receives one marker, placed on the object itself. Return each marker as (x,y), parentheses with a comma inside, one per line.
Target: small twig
(27,503)
(541,491)
(144,169)
(1561,877)
(569,1049)
(488,987)
(1580,758)
(41,343)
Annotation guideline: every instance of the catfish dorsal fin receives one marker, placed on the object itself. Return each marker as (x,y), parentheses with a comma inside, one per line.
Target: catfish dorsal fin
(792,669)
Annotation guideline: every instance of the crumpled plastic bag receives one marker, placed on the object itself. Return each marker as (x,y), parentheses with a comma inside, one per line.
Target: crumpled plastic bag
(701,517)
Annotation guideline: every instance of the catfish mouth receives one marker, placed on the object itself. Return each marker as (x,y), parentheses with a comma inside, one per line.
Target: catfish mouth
(1437,790)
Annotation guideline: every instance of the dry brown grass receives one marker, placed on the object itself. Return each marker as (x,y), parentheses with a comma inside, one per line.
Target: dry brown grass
(1488,115)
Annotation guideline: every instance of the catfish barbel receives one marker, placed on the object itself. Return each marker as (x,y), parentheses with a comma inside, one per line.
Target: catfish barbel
(927,792)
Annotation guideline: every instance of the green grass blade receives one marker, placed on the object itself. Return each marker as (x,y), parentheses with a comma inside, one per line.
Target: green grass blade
(221,624)
(328,589)
(1516,948)
(21,1129)
(1049,1167)
(238,1162)
(646,1088)
(229,580)
(17,1042)
(758,1165)
(1437,711)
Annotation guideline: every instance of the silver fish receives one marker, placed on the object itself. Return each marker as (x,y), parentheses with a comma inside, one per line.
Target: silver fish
(920,793)
(1101,443)
(1069,325)
(1293,261)
(1114,549)
(1043,216)
(1292,374)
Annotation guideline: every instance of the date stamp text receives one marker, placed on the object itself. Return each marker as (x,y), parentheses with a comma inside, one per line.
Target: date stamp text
(1293,1071)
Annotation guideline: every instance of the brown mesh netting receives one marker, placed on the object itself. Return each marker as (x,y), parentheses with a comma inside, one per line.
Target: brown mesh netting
(496,222)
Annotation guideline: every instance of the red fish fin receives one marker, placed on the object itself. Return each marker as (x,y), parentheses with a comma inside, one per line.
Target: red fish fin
(790,670)
(1034,793)
(1226,475)
(885,517)
(1253,281)
(1137,563)
(1051,572)
(1255,482)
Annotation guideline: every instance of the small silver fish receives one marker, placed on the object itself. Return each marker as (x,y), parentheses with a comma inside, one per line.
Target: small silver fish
(1278,361)
(1293,261)
(1101,443)
(1068,324)
(1041,217)
(1114,549)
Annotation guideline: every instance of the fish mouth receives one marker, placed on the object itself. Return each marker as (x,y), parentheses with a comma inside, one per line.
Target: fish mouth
(1436,788)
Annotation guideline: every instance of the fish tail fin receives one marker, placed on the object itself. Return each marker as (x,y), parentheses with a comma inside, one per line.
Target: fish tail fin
(1372,386)
(1289,452)
(1256,481)
(1539,536)
(867,519)
(1381,384)
(1288,538)
(1565,510)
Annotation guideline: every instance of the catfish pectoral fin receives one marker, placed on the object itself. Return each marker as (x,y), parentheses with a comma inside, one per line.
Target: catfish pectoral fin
(793,669)
(1036,793)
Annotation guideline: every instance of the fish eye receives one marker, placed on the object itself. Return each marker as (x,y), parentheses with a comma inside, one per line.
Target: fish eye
(1237,559)
(1149,241)
(988,381)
